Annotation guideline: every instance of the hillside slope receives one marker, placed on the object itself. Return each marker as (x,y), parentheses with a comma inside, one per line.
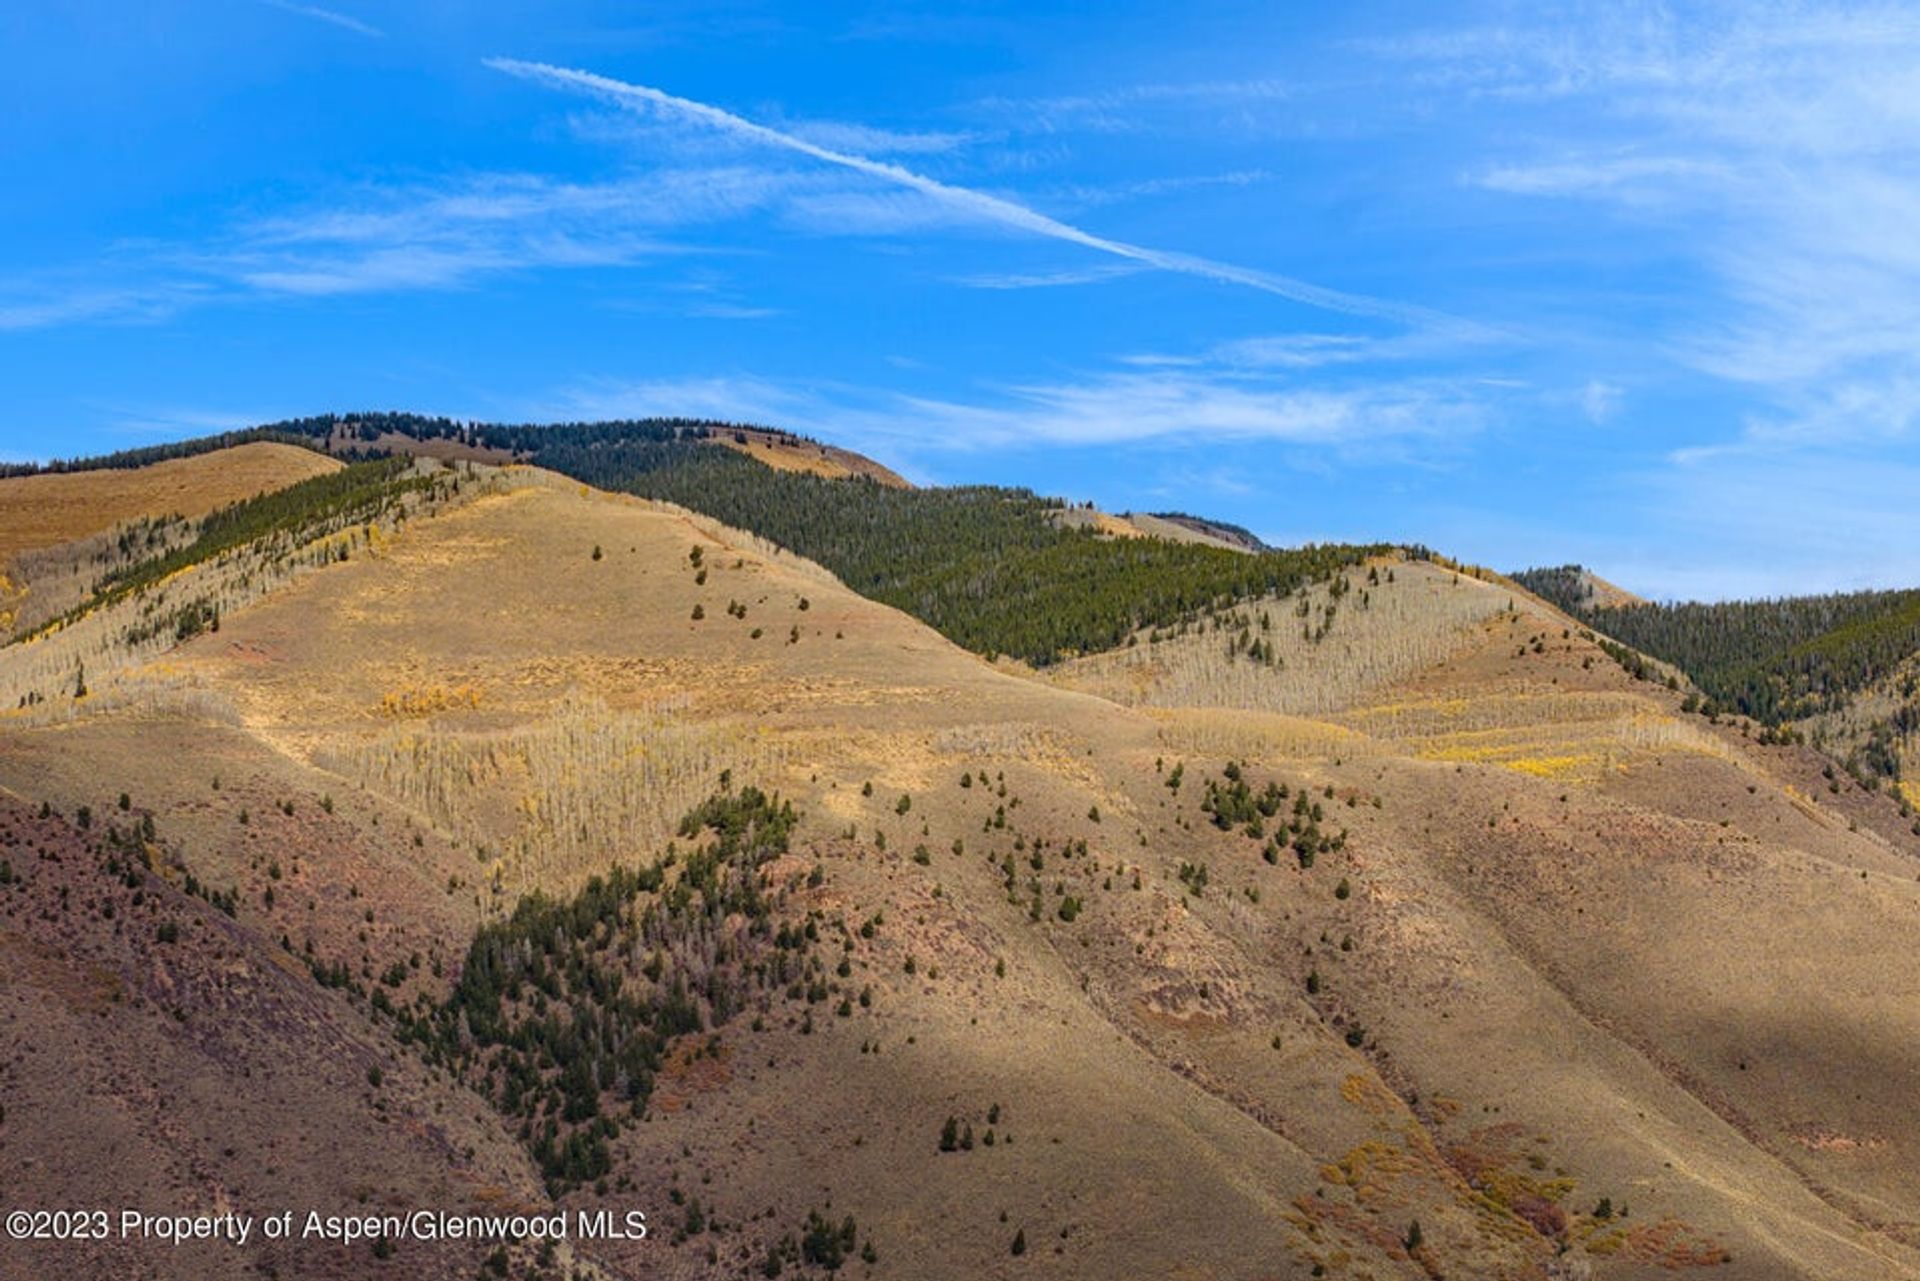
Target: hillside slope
(60,530)
(46,510)
(1169,964)
(165,1056)
(1841,669)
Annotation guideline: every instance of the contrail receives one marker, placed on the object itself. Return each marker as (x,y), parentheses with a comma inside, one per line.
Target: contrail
(992,208)
(328,15)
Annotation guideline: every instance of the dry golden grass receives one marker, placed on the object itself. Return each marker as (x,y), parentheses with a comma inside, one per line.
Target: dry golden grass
(43,673)
(1155,527)
(1548,982)
(1400,627)
(1549,734)
(1230,733)
(1116,527)
(550,801)
(1102,523)
(812,457)
(46,510)
(1610,595)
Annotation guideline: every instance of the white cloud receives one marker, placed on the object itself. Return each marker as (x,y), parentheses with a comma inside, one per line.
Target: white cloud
(1599,401)
(1175,185)
(1302,351)
(731,311)
(39,306)
(172,423)
(49,300)
(1616,177)
(964,201)
(1142,108)
(330,16)
(1782,144)
(1094,275)
(1195,408)
(883,212)
(843,136)
(1377,420)
(487,202)
(456,232)
(415,237)
(727,399)
(1263,354)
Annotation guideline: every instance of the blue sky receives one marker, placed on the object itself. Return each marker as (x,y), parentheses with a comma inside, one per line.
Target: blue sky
(1626,285)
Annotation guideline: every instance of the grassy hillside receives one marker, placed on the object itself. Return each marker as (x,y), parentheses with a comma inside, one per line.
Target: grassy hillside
(277,521)
(149,455)
(95,606)
(1777,660)
(1780,661)
(1219,530)
(44,507)
(983,565)
(234,1077)
(1318,943)
(988,567)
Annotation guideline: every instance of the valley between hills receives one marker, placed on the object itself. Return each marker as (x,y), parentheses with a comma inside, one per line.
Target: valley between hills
(866,881)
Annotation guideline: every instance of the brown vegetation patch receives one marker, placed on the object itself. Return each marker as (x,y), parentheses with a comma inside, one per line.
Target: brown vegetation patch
(792,453)
(58,507)
(698,1063)
(84,988)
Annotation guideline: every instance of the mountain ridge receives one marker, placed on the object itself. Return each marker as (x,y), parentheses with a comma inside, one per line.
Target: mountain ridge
(1368,900)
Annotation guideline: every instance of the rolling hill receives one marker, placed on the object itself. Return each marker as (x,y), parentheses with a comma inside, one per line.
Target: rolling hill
(1843,669)
(613,820)
(53,521)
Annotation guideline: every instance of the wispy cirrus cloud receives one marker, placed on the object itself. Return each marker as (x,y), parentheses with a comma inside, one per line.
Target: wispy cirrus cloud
(1777,146)
(620,126)
(723,398)
(1600,400)
(1170,186)
(1406,418)
(1139,108)
(731,311)
(1723,537)
(409,237)
(846,136)
(965,201)
(1264,354)
(509,204)
(1097,274)
(44,304)
(457,232)
(1622,177)
(173,421)
(1131,408)
(345,22)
